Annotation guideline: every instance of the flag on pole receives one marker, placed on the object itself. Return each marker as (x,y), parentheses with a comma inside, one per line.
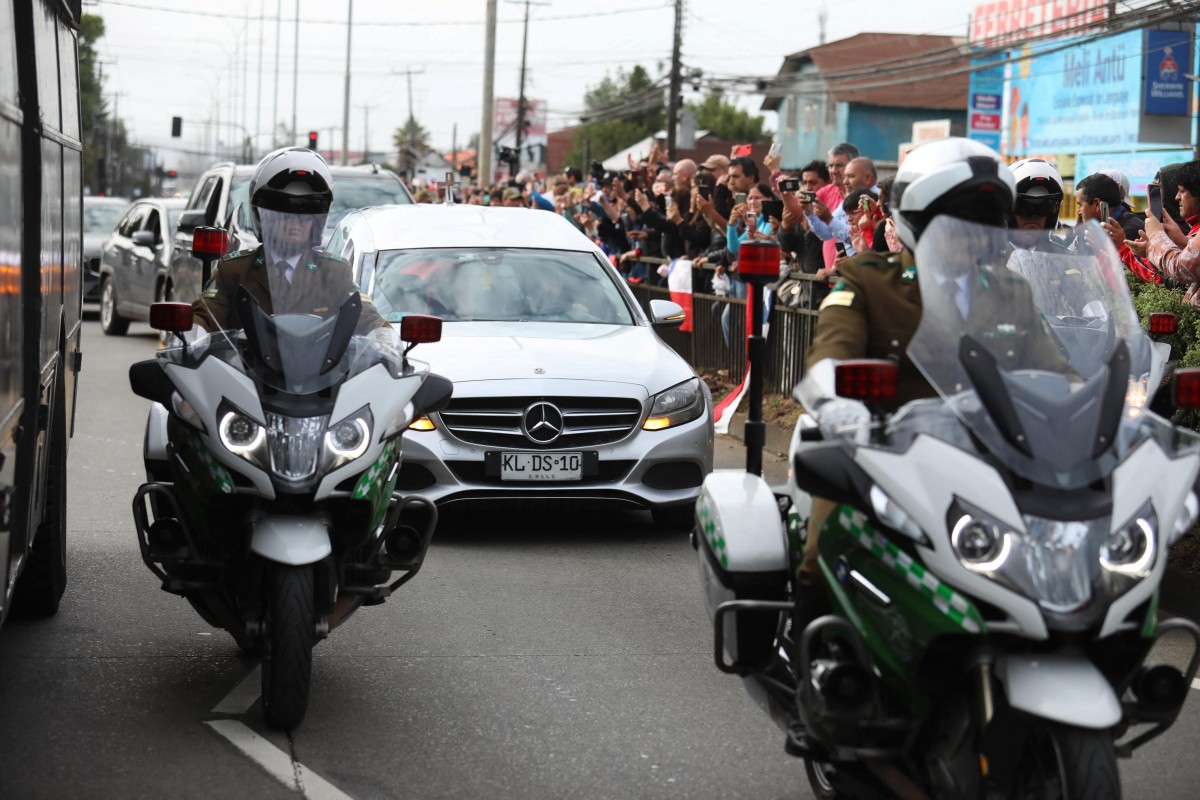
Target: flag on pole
(724,410)
(679,284)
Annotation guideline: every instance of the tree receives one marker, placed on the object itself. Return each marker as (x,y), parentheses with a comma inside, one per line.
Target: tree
(410,140)
(621,111)
(727,121)
(93,112)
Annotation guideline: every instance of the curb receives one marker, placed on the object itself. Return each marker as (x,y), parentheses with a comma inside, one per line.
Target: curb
(777,439)
(1179,593)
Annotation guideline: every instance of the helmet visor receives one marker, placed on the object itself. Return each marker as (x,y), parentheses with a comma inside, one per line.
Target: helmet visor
(1035,206)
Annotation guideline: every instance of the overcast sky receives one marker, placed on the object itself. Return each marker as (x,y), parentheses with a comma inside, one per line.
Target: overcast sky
(165,58)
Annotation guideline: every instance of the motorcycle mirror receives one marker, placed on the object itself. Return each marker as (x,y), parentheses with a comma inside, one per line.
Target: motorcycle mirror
(1163,323)
(874,380)
(172,317)
(418,329)
(1187,388)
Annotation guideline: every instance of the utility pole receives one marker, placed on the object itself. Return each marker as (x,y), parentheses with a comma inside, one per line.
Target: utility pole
(521,94)
(676,79)
(295,74)
(262,17)
(275,105)
(489,76)
(366,134)
(346,98)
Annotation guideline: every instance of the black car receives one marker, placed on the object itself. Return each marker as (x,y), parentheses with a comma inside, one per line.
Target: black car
(100,218)
(133,268)
(221,198)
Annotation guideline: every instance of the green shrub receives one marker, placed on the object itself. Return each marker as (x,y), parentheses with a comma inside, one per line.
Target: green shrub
(1149,298)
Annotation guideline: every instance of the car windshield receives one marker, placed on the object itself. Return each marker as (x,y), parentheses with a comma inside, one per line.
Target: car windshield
(483,284)
(102,217)
(349,192)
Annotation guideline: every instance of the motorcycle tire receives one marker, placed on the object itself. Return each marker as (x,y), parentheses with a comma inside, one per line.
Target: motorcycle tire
(1062,762)
(819,782)
(290,636)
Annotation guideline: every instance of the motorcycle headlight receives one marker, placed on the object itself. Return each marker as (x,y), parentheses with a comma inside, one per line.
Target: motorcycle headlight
(348,439)
(677,405)
(895,517)
(1130,549)
(242,435)
(184,410)
(1054,562)
(295,446)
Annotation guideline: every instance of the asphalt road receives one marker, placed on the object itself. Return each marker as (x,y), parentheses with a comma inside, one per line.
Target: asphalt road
(553,657)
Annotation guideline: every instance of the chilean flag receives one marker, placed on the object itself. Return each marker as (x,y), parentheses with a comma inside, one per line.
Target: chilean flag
(679,283)
(724,410)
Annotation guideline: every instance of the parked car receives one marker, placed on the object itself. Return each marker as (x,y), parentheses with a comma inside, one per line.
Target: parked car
(562,388)
(221,198)
(133,268)
(100,218)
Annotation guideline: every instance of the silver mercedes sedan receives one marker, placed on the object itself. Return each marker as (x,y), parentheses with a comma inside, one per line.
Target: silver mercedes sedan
(563,391)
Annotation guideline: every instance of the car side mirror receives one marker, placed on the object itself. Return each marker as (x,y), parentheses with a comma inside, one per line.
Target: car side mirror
(143,239)
(665,314)
(190,220)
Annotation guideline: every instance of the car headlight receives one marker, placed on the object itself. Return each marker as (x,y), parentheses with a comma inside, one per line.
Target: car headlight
(348,439)
(677,405)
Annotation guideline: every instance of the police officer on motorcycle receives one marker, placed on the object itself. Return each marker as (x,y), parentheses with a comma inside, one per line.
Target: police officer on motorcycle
(290,195)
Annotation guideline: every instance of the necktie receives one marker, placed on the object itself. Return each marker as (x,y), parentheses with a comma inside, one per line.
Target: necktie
(282,268)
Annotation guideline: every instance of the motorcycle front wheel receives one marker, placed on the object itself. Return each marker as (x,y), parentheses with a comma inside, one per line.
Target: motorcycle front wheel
(819,781)
(1062,762)
(290,636)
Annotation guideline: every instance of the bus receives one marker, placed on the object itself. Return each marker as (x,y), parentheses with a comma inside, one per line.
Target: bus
(41,292)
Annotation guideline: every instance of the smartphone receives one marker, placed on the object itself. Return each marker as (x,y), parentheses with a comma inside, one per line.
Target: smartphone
(789,185)
(738,198)
(808,196)
(841,250)
(1103,211)
(742,150)
(1153,195)
(864,203)
(774,151)
(772,208)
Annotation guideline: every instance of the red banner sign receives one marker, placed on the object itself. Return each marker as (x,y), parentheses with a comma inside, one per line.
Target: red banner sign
(1008,21)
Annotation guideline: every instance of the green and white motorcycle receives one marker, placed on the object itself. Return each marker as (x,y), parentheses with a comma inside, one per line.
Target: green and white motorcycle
(272,454)
(992,561)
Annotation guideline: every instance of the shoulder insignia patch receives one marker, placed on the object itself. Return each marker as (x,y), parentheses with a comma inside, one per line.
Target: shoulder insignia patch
(909,274)
(842,298)
(311,266)
(839,286)
(236,254)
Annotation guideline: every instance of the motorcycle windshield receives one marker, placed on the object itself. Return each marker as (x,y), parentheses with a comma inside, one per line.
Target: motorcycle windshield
(290,312)
(1040,354)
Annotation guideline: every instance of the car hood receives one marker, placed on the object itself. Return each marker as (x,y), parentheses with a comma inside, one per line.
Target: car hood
(488,351)
(93,244)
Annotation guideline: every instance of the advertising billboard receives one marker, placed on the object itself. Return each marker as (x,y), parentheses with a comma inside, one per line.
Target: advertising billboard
(1010,21)
(1080,99)
(986,100)
(1168,61)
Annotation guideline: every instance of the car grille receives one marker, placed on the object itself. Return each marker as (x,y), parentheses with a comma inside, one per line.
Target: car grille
(585,421)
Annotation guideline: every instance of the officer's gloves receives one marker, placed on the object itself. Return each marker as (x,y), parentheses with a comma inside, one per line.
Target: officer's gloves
(839,416)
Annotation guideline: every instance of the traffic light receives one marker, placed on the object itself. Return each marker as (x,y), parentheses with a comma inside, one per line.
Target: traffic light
(312,140)
(176,127)
(172,173)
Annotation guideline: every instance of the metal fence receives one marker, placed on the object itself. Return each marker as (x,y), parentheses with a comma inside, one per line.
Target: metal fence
(717,342)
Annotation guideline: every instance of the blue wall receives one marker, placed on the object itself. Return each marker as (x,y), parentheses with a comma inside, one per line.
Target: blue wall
(878,131)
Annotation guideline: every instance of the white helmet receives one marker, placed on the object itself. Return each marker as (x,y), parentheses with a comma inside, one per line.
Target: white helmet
(955,176)
(1039,190)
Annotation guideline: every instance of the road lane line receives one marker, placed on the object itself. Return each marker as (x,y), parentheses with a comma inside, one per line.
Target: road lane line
(1196,684)
(244,696)
(276,762)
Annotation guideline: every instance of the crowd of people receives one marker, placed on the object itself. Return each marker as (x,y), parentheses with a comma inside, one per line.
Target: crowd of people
(657,213)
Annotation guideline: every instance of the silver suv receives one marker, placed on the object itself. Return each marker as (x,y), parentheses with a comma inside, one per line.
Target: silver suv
(220,198)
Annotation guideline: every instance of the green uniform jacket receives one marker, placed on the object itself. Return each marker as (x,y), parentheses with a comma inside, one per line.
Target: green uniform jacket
(320,284)
(875,309)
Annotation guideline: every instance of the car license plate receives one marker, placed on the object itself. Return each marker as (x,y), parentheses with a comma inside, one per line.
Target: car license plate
(541,466)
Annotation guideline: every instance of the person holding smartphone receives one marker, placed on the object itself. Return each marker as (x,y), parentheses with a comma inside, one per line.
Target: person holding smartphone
(1177,263)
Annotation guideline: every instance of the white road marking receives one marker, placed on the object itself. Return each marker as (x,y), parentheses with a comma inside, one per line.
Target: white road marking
(278,763)
(244,696)
(1196,684)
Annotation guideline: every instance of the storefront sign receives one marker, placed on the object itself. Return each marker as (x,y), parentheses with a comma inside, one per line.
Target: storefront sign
(1139,168)
(1010,21)
(1076,100)
(1168,60)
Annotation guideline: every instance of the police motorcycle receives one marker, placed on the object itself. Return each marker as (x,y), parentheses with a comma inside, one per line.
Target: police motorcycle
(993,559)
(272,451)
